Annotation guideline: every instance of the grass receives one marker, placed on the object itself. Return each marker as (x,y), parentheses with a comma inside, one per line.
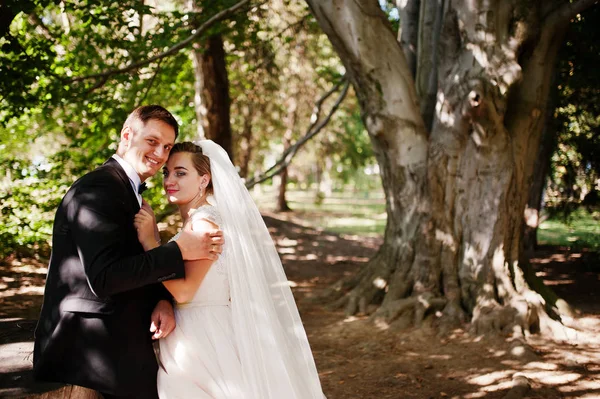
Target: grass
(580,230)
(355,213)
(363,213)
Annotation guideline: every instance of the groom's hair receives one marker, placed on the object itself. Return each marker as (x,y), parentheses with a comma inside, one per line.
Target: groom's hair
(149,112)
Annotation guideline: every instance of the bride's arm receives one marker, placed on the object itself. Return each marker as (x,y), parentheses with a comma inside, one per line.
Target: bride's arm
(184,289)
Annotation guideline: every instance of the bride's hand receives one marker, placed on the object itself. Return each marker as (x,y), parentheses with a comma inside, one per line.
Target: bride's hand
(162,320)
(145,225)
(146,206)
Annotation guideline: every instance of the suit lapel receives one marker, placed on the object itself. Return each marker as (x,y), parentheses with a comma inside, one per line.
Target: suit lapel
(112,165)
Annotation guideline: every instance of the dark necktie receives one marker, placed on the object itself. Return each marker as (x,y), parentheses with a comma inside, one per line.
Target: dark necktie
(142,187)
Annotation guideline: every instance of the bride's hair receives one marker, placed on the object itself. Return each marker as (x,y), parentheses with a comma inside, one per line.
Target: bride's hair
(201,162)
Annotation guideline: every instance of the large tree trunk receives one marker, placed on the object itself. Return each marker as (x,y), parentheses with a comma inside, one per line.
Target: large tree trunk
(245,144)
(199,103)
(212,92)
(325,187)
(455,193)
(290,122)
(282,204)
(538,181)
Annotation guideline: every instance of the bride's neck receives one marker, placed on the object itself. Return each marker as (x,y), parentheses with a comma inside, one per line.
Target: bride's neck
(186,210)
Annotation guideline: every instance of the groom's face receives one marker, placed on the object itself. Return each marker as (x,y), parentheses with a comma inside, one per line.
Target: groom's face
(147,146)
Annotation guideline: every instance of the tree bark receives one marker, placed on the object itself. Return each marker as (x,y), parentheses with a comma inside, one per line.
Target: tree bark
(290,122)
(430,23)
(409,31)
(325,188)
(539,178)
(455,193)
(199,103)
(386,92)
(212,93)
(282,204)
(245,144)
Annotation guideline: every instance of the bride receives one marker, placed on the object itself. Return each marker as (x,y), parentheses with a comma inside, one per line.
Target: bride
(238,334)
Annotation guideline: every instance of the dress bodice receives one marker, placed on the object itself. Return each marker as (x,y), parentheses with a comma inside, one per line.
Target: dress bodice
(214,289)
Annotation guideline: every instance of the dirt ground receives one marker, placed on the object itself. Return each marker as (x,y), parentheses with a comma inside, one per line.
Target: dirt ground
(356,359)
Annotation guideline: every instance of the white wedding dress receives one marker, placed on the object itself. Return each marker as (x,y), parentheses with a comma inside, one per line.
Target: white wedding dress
(241,336)
(200,357)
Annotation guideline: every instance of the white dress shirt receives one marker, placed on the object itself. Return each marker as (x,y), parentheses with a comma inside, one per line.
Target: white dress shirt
(134,178)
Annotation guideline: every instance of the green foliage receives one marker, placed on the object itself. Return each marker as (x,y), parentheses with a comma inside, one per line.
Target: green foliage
(575,165)
(74,122)
(391,10)
(27,205)
(275,83)
(63,100)
(357,152)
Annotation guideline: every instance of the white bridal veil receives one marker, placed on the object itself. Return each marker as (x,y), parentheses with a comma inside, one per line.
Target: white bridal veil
(277,362)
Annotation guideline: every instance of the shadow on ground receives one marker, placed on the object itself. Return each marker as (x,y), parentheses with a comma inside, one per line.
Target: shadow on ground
(356,359)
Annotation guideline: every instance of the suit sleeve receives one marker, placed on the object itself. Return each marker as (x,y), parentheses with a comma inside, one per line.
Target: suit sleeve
(107,244)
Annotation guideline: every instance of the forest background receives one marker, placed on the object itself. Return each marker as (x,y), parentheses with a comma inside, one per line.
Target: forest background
(321,102)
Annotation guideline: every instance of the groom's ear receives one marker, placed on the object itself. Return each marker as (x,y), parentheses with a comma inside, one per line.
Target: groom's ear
(126,133)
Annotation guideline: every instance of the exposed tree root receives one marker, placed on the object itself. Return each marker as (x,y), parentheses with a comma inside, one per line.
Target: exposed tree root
(415,307)
(518,305)
(520,387)
(494,318)
(336,291)
(553,304)
(524,315)
(358,294)
(453,316)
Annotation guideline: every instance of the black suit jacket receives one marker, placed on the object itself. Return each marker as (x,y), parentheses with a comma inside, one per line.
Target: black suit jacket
(101,289)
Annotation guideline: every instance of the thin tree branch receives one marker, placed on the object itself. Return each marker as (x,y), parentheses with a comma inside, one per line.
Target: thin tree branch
(101,82)
(150,84)
(173,50)
(299,22)
(268,61)
(313,129)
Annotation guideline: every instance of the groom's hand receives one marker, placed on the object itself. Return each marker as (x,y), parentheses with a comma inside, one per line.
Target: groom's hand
(200,244)
(162,321)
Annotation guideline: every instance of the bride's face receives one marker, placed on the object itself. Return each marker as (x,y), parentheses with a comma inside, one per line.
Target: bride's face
(181,179)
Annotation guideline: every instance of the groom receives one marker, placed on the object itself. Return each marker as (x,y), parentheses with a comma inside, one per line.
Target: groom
(103,293)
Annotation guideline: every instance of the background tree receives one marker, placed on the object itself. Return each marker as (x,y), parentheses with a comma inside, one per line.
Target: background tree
(566,171)
(88,66)
(575,164)
(453,138)
(296,67)
(71,71)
